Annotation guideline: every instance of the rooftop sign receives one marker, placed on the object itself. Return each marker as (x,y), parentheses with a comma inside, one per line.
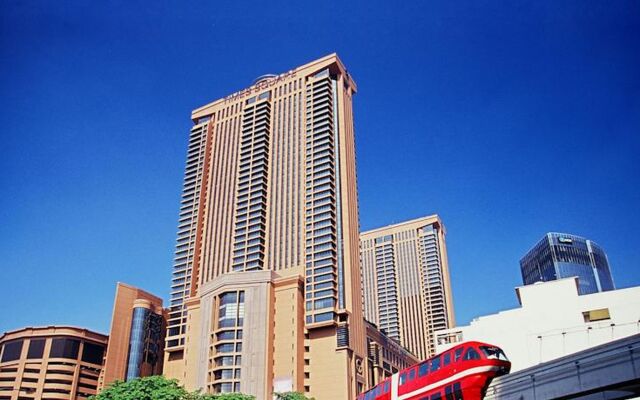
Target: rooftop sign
(262,83)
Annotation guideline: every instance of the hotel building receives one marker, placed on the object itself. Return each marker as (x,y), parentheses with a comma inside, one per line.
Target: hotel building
(266,289)
(405,275)
(53,362)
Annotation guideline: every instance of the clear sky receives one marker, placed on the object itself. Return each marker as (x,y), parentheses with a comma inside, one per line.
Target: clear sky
(509,119)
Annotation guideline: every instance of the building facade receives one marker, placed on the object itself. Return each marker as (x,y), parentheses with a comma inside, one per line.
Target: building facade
(407,289)
(553,321)
(136,338)
(385,356)
(562,255)
(54,362)
(266,290)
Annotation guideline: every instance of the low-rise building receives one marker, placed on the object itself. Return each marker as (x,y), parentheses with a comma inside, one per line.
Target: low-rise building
(52,362)
(552,321)
(66,362)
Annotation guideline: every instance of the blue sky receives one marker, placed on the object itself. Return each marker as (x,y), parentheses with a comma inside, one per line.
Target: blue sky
(509,119)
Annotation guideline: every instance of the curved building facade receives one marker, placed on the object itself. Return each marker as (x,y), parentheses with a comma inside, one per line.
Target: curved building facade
(562,255)
(146,343)
(54,362)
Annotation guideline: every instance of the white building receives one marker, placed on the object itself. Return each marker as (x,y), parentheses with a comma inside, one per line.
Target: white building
(553,321)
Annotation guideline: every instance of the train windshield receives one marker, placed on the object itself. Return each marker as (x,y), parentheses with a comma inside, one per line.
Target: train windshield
(493,353)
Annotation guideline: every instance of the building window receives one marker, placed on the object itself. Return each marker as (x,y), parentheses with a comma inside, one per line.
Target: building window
(64,348)
(36,348)
(12,351)
(92,353)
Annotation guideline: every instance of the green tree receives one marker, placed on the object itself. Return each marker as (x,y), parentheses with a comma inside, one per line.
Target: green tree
(150,388)
(159,388)
(292,396)
(226,396)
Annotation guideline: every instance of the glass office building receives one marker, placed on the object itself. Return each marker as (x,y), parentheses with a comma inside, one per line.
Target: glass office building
(145,343)
(562,255)
(136,342)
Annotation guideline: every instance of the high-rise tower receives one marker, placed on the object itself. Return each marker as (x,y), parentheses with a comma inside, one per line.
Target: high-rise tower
(266,292)
(405,275)
(562,255)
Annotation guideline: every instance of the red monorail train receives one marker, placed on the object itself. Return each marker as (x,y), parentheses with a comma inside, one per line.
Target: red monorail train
(462,372)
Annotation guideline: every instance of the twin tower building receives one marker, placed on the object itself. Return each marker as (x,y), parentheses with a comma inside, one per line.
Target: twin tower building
(274,288)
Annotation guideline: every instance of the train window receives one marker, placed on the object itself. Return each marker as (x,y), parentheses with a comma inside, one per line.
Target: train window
(493,353)
(457,391)
(458,354)
(446,359)
(435,364)
(386,387)
(436,396)
(448,392)
(423,369)
(471,354)
(403,378)
(412,374)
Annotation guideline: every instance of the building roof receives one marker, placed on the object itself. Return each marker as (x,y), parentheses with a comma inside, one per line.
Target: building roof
(53,330)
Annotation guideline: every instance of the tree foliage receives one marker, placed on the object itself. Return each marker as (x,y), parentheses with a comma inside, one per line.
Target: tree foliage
(159,388)
(226,396)
(292,396)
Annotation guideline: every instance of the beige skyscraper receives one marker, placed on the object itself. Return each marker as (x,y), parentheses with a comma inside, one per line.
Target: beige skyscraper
(266,289)
(405,275)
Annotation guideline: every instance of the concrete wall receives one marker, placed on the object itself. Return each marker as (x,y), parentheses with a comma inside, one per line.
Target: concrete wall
(550,323)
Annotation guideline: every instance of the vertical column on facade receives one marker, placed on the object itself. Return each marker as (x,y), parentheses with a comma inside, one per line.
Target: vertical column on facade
(433,283)
(251,192)
(186,239)
(321,230)
(225,347)
(387,288)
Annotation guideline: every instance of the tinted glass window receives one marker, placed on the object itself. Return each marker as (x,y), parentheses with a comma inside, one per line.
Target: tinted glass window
(228,298)
(386,387)
(457,391)
(423,369)
(471,354)
(64,348)
(92,353)
(436,396)
(412,374)
(12,351)
(448,393)
(458,354)
(493,353)
(36,348)
(403,378)
(446,359)
(435,365)
(226,335)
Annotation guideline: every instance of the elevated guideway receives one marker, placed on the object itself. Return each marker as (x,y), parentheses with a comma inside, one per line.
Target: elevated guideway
(605,372)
